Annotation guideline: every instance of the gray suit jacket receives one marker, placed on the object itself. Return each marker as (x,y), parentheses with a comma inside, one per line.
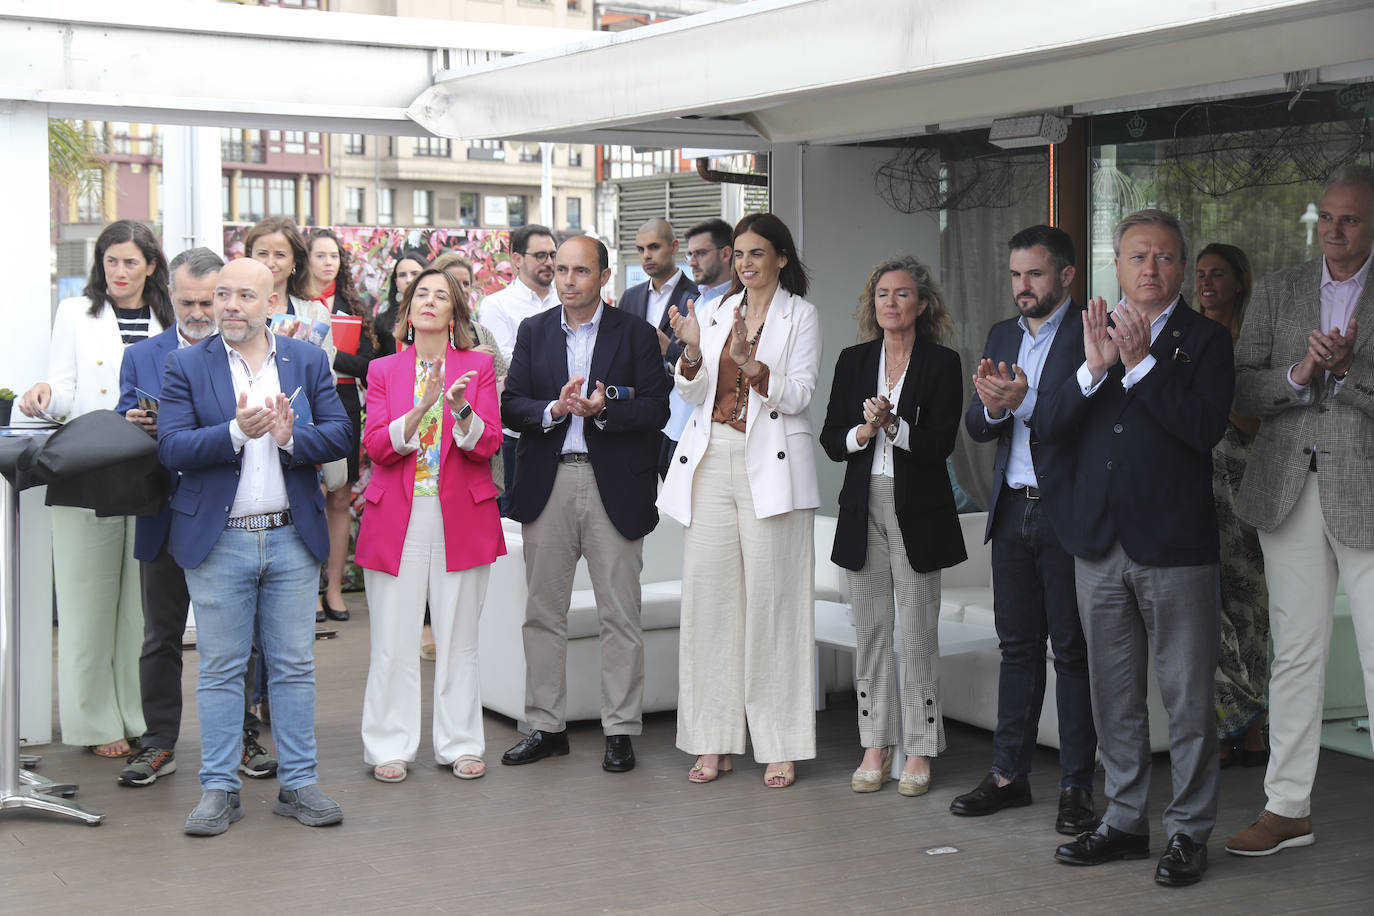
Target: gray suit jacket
(1339,423)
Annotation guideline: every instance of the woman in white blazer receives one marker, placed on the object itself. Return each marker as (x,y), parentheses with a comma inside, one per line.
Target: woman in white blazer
(743,481)
(95,575)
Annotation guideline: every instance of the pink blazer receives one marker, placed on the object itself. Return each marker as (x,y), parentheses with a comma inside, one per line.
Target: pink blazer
(467,496)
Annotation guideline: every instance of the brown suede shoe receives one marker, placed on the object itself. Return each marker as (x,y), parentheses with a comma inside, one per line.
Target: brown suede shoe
(1271,833)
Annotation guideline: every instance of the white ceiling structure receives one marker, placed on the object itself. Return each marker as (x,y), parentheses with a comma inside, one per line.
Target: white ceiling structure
(834,71)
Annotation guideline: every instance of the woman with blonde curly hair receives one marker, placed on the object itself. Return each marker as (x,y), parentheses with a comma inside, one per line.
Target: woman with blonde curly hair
(894,411)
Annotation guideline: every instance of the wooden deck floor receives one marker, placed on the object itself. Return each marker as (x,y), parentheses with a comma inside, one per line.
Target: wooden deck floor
(561,836)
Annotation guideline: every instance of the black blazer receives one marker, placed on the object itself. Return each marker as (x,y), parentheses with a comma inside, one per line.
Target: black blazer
(1144,456)
(624,455)
(925,500)
(636,302)
(1054,464)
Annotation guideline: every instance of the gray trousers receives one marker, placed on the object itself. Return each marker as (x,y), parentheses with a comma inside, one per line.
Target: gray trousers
(1132,615)
(574,524)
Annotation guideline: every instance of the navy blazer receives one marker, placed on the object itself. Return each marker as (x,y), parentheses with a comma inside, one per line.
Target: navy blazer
(1054,464)
(923,496)
(1144,456)
(636,302)
(624,454)
(194,411)
(142,368)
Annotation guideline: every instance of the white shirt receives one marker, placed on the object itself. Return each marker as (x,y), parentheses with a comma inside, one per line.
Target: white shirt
(580,342)
(262,485)
(502,312)
(1031,356)
(657,303)
(883,443)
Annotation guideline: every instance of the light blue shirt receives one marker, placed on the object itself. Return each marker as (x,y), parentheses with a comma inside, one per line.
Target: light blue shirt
(580,342)
(679,411)
(1035,348)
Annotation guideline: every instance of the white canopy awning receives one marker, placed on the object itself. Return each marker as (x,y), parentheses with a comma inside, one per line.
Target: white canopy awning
(829,71)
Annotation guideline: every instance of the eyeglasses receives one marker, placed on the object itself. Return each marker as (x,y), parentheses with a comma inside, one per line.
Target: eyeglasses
(696,254)
(543,257)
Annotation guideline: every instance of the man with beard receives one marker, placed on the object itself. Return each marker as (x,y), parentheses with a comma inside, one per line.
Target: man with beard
(245,417)
(1032,574)
(165,598)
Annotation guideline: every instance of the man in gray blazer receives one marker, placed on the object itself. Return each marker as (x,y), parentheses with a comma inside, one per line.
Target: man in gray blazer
(1305,368)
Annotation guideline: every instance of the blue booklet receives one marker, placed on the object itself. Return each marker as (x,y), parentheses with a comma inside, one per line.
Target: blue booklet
(301,405)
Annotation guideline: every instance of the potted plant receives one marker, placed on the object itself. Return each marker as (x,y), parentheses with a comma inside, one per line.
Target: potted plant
(6,405)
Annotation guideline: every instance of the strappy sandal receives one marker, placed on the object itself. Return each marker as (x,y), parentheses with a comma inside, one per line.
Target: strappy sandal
(468,760)
(390,765)
(786,771)
(700,773)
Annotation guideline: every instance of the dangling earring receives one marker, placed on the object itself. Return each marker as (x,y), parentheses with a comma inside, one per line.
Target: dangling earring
(410,332)
(451,341)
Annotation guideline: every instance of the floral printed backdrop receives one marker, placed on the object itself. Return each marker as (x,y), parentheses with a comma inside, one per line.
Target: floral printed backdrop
(373,253)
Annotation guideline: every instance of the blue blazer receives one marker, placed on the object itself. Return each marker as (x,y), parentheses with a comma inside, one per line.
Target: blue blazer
(624,455)
(636,302)
(142,368)
(196,406)
(1054,464)
(1144,456)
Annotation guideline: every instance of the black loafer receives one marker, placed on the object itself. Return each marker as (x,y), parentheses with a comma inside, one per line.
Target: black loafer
(332,614)
(536,746)
(620,754)
(1076,812)
(989,797)
(319,615)
(1095,847)
(1183,863)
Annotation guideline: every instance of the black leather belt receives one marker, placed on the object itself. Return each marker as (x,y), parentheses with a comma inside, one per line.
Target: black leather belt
(1028,492)
(574,458)
(261,522)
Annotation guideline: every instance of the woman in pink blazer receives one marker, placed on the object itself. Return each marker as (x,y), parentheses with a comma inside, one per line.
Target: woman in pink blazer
(430,529)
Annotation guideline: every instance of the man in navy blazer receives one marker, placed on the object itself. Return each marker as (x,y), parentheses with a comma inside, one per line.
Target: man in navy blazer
(245,417)
(588,395)
(165,598)
(1142,415)
(654,300)
(1032,574)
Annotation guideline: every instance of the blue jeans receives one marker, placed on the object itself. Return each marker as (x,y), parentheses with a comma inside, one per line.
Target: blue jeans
(508,446)
(271,577)
(1034,598)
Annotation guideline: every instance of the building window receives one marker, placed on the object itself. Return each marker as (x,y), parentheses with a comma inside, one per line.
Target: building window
(575,156)
(432,147)
(515,209)
(242,145)
(353,205)
(386,207)
(355,144)
(252,198)
(421,207)
(224,198)
(281,197)
(469,204)
(293,141)
(530,152)
(574,206)
(90,205)
(486,149)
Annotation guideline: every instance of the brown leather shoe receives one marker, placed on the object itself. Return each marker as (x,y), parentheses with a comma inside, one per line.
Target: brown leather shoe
(1271,833)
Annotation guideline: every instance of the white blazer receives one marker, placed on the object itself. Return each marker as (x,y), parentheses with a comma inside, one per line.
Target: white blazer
(779,441)
(84,358)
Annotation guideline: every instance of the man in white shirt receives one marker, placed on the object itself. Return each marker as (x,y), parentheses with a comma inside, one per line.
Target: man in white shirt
(245,417)
(532,250)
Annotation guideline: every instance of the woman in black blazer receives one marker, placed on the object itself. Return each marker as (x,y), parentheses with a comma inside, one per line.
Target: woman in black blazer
(894,411)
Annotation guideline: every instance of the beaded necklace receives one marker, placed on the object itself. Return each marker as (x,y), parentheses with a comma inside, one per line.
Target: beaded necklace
(738,411)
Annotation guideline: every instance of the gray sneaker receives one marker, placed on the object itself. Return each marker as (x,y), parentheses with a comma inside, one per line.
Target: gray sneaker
(308,805)
(147,765)
(256,762)
(218,809)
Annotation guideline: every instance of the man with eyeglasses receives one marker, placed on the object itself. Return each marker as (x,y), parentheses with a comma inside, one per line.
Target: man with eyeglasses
(711,257)
(532,250)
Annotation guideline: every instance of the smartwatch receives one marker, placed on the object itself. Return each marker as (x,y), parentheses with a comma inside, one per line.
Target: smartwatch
(464,413)
(619,393)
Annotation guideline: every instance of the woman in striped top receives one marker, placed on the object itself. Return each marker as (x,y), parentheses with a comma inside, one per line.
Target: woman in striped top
(99,606)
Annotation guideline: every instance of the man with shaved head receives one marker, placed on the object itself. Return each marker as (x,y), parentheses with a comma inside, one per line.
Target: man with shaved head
(588,395)
(653,300)
(245,417)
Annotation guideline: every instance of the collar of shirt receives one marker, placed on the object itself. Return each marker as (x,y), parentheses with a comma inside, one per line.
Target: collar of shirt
(594,322)
(183,341)
(668,285)
(517,287)
(236,358)
(714,292)
(1050,324)
(1359,277)
(1161,319)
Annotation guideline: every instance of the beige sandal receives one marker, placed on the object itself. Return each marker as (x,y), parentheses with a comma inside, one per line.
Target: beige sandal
(468,760)
(380,776)
(700,773)
(786,772)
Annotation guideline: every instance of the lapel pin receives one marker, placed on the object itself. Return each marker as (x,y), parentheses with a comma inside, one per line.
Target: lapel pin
(1180,356)
(1178,333)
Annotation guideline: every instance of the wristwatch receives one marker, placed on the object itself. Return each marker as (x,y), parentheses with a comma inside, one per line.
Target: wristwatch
(893,427)
(619,393)
(464,413)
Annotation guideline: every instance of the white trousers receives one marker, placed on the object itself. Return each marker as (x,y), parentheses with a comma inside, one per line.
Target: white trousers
(396,612)
(747,638)
(1302,561)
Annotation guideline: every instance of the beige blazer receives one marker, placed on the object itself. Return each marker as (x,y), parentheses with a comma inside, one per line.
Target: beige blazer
(84,358)
(779,441)
(1337,421)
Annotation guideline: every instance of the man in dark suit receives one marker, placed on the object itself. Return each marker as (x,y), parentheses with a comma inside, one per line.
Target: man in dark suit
(1141,416)
(165,598)
(653,300)
(245,417)
(1032,573)
(1304,366)
(588,395)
